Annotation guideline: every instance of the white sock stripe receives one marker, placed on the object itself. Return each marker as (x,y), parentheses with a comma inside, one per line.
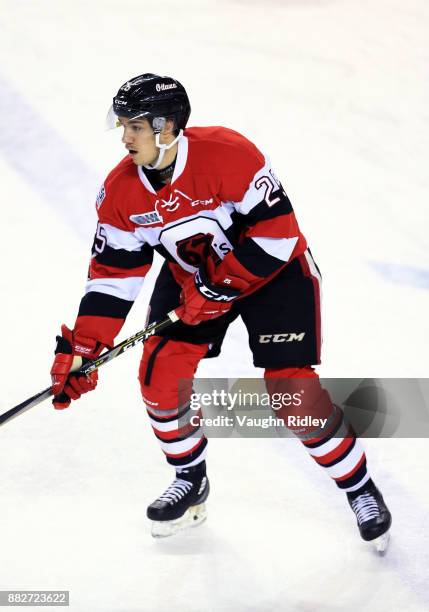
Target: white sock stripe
(177,448)
(184,421)
(359,484)
(331,444)
(169,426)
(347,464)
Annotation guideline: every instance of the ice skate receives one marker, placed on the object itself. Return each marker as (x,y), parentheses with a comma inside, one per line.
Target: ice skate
(373,516)
(182,504)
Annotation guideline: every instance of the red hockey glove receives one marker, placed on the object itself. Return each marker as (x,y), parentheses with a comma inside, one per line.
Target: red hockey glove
(203,300)
(71,352)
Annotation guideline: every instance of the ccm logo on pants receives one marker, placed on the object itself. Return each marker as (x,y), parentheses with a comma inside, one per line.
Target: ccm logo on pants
(287,337)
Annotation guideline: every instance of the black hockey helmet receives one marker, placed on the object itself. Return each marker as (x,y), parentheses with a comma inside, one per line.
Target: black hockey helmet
(151,97)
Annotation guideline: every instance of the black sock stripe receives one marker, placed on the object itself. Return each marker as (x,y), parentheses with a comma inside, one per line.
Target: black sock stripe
(188,458)
(329,437)
(354,479)
(341,457)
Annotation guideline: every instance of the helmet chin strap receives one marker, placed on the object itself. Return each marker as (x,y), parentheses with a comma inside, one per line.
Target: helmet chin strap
(162,149)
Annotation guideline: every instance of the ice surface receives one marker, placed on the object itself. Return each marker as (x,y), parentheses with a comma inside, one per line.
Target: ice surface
(337,93)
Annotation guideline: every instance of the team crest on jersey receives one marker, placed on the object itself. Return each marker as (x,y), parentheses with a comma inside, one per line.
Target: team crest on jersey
(100,197)
(149,218)
(177,198)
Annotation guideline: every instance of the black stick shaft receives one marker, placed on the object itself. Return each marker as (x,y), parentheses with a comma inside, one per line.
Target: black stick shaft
(26,405)
(89,367)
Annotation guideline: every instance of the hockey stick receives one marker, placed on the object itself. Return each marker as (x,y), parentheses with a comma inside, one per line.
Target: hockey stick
(93,365)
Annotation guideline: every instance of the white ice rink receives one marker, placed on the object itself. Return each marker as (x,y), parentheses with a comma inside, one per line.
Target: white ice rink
(337,92)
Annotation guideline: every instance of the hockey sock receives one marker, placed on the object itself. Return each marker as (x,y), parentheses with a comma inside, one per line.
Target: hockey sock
(166,374)
(334,446)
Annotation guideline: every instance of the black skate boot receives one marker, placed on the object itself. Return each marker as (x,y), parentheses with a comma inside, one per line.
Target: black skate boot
(373,516)
(182,503)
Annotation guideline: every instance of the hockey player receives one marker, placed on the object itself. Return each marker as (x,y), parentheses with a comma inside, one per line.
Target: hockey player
(208,201)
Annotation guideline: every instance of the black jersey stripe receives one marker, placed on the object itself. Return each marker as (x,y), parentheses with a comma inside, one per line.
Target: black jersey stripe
(127,260)
(159,248)
(263,212)
(99,304)
(256,260)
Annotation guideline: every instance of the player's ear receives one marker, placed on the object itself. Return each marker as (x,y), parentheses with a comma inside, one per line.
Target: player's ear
(169,127)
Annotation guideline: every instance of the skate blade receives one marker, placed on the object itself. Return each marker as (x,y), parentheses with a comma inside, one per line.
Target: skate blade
(194,516)
(380,544)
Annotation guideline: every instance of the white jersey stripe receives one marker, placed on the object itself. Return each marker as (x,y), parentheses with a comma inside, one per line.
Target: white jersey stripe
(181,159)
(313,269)
(254,195)
(316,274)
(121,239)
(281,248)
(124,288)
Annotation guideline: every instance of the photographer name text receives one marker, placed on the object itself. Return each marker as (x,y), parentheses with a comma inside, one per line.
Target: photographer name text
(261,422)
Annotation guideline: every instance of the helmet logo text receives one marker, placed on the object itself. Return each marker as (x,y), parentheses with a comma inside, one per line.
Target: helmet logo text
(164,86)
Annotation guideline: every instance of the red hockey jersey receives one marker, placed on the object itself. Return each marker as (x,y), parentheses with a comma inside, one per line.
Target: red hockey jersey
(224,200)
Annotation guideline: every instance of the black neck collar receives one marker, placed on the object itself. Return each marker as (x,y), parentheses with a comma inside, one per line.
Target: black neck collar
(158,178)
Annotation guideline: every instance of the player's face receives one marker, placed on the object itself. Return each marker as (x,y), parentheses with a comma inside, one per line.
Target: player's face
(139,139)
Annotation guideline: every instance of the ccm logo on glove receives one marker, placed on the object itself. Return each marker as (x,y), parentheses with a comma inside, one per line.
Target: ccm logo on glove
(213,292)
(203,300)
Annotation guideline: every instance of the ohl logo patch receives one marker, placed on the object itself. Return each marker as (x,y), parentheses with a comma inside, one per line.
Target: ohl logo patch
(100,197)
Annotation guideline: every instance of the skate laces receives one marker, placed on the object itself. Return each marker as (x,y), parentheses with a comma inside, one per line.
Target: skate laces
(176,491)
(365,507)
